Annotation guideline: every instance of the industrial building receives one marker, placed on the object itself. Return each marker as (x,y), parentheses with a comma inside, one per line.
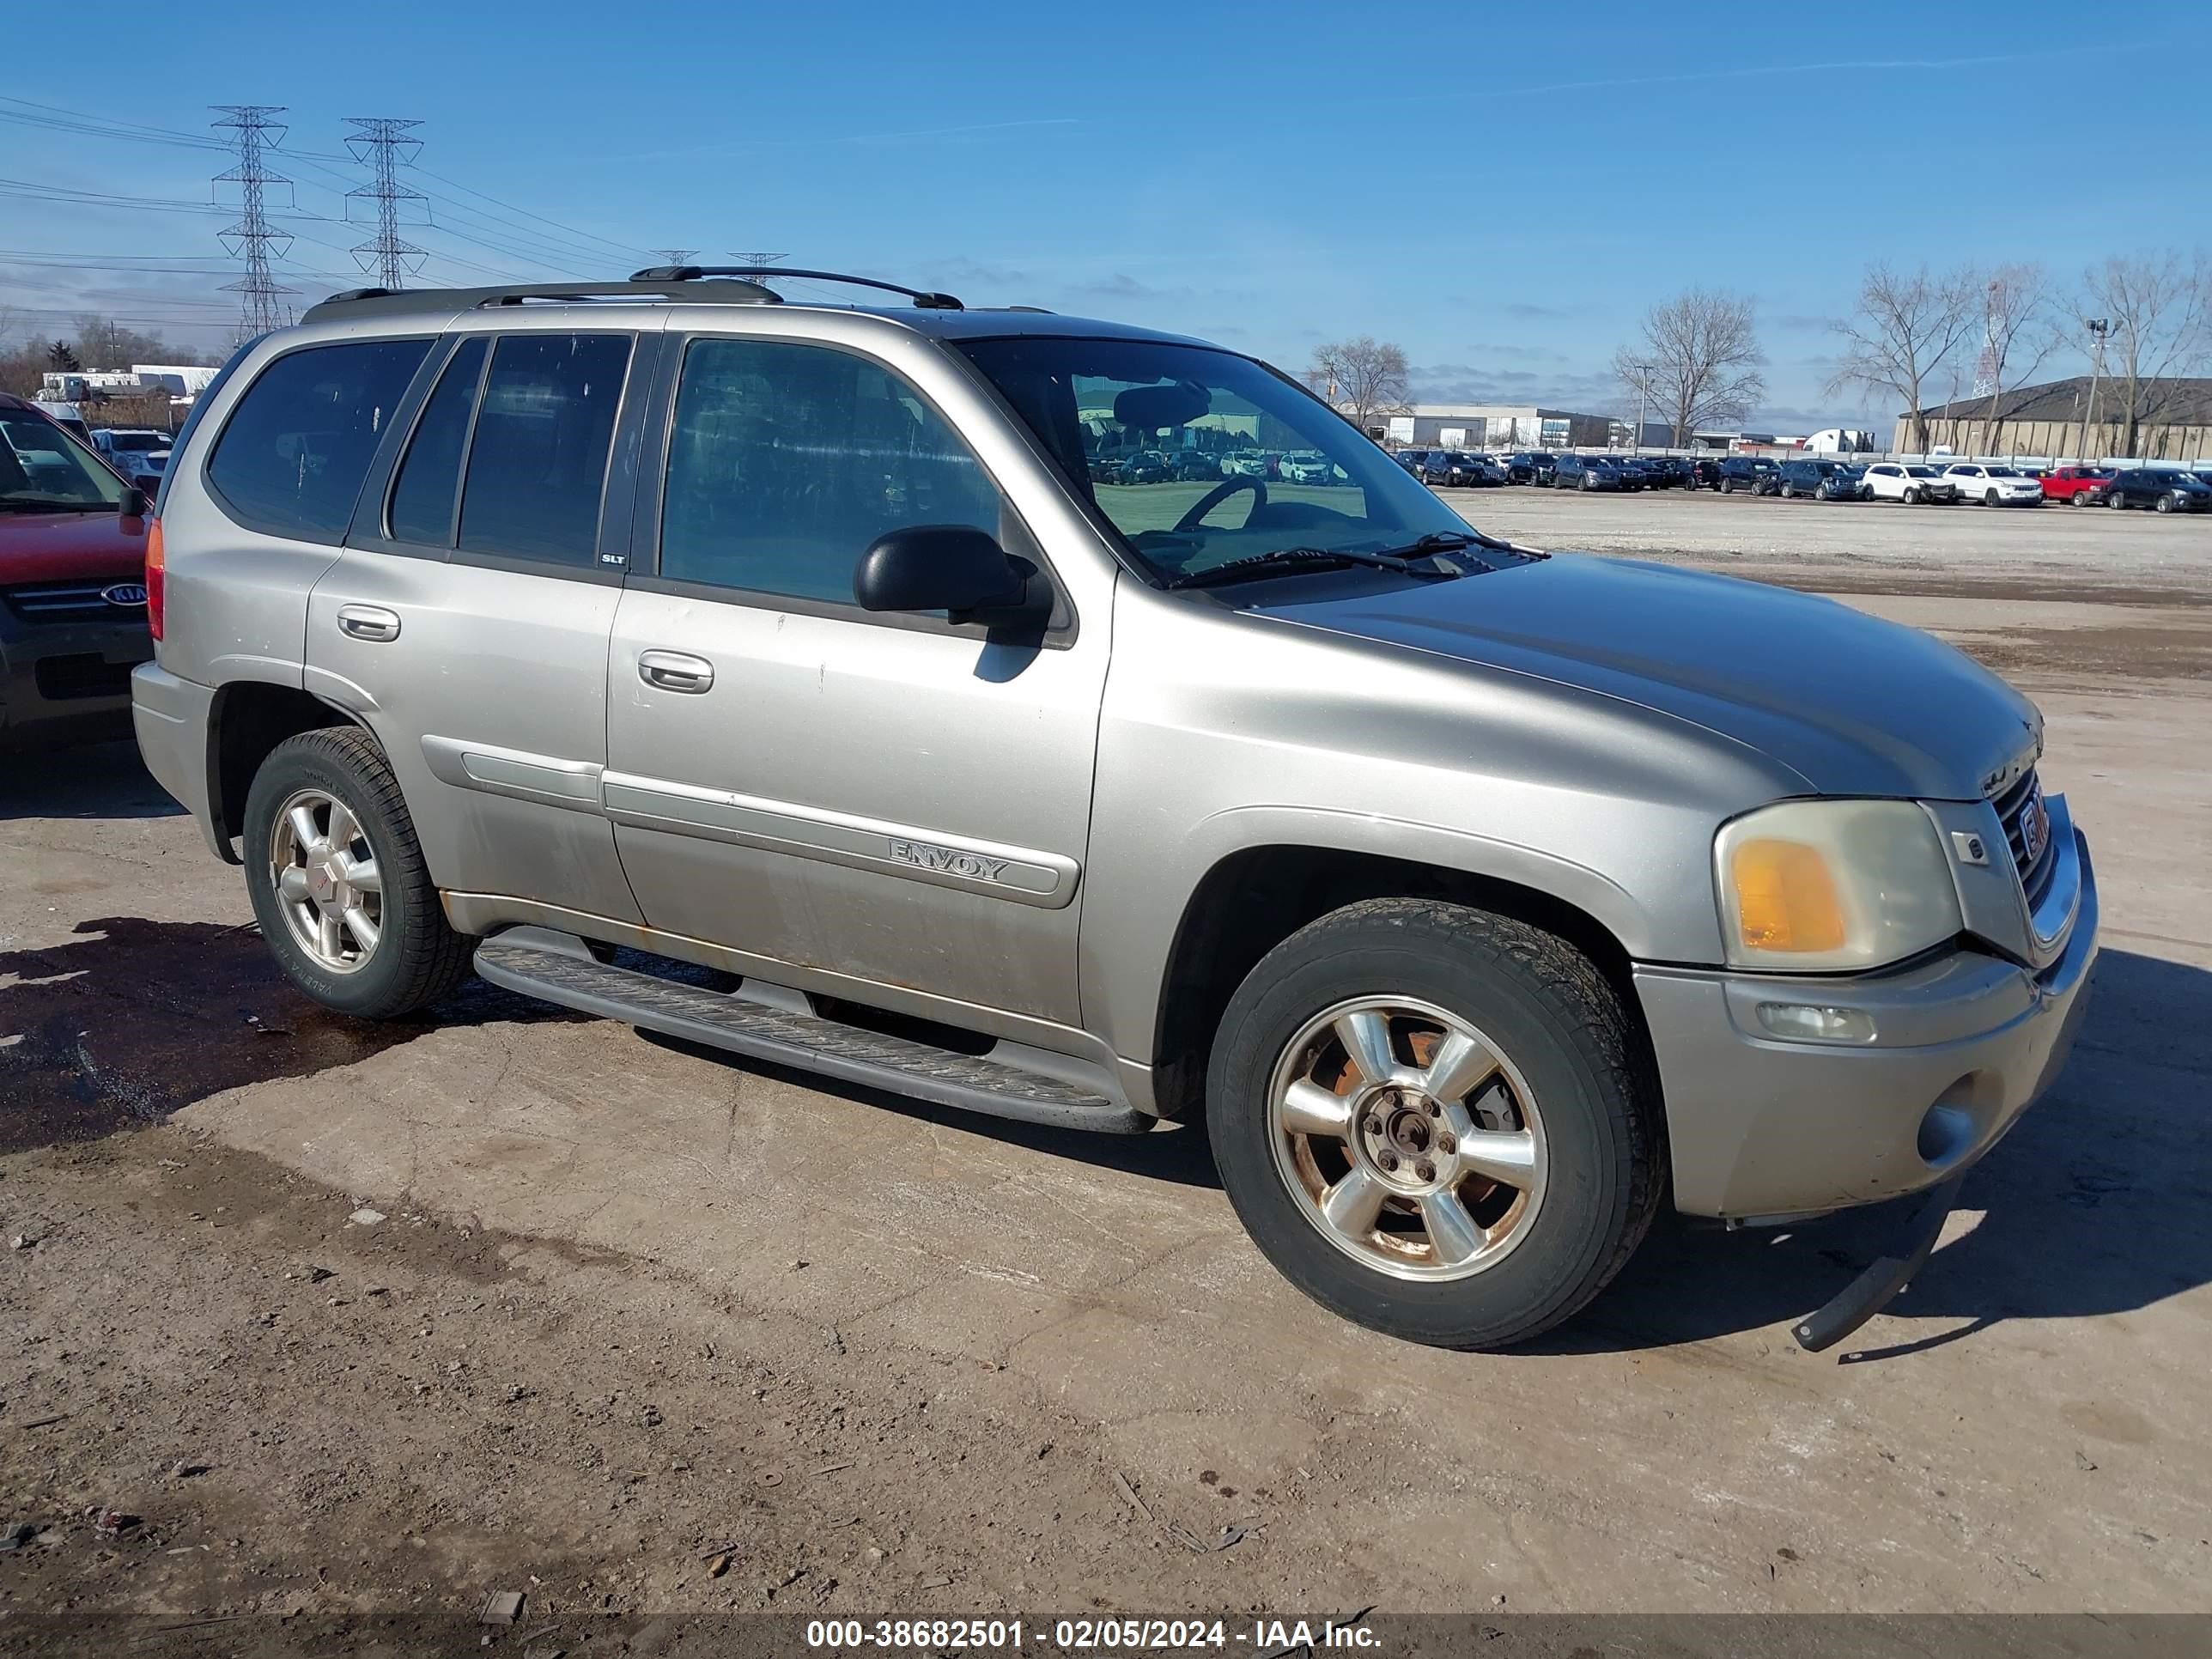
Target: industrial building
(1496,426)
(2085,417)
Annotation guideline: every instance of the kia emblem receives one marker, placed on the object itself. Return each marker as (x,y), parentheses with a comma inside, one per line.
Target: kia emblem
(124,594)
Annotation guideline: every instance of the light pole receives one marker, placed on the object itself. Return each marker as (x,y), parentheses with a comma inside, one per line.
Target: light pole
(2099,327)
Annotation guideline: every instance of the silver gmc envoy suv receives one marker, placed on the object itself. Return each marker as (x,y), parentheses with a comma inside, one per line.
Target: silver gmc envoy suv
(972,704)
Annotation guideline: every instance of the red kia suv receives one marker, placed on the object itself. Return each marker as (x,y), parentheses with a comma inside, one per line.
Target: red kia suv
(72,586)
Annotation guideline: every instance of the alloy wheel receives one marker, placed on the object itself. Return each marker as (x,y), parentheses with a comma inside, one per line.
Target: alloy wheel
(1409,1140)
(326,880)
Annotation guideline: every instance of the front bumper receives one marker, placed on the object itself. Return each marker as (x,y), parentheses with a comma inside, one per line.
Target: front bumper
(1762,1126)
(171,717)
(67,681)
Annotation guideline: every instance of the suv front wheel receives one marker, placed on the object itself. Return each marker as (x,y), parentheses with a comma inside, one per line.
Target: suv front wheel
(1435,1121)
(337,879)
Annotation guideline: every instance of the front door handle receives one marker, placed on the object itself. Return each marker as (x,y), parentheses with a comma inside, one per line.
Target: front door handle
(368,621)
(675,670)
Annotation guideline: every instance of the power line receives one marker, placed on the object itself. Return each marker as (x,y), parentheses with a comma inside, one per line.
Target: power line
(384,145)
(250,239)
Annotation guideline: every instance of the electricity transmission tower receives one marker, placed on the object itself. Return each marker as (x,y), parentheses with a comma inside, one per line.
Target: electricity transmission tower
(1990,364)
(674,256)
(758,261)
(250,239)
(383,146)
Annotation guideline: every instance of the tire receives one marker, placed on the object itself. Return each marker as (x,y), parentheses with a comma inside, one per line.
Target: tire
(1989,498)
(416,957)
(1727,486)
(2166,503)
(1866,492)
(2117,501)
(2078,498)
(1579,1100)
(1587,485)
(1913,495)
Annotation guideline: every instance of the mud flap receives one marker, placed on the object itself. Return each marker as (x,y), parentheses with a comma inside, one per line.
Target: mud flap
(1874,1289)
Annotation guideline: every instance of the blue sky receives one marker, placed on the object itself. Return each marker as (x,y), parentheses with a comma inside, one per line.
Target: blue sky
(1502,190)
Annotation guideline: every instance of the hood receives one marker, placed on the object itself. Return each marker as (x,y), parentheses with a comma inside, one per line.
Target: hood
(1852,704)
(56,547)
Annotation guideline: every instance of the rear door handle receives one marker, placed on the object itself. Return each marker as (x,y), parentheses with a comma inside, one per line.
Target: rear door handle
(368,621)
(675,670)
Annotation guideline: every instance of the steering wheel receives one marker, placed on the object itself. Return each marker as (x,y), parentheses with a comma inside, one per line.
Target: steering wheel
(1220,493)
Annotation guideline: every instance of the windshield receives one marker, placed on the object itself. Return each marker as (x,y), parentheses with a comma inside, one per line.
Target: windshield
(1921,471)
(137,441)
(2002,472)
(1090,399)
(41,465)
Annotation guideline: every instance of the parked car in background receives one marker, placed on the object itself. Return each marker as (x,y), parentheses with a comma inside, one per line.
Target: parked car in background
(1819,481)
(1756,473)
(1908,481)
(2165,489)
(1587,472)
(1466,472)
(1248,463)
(1634,475)
(1189,464)
(139,453)
(1309,467)
(72,586)
(1527,467)
(1146,466)
(1670,471)
(1703,473)
(2077,486)
(1104,469)
(1994,486)
(1415,461)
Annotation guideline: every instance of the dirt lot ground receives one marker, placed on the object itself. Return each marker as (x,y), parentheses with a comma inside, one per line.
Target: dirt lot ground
(355,1320)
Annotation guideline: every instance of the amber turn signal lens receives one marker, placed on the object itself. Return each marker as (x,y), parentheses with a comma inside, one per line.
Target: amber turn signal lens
(1785,898)
(156,562)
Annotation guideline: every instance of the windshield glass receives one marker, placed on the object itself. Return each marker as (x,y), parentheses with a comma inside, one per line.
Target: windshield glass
(1295,474)
(136,441)
(42,465)
(2002,472)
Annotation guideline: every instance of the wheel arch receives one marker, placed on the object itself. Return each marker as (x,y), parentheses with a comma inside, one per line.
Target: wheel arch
(1251,899)
(247,718)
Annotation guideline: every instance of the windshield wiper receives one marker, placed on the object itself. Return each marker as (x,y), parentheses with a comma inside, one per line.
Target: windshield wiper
(54,504)
(1255,566)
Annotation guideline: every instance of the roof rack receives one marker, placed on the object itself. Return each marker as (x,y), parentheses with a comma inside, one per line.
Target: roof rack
(923,299)
(646,285)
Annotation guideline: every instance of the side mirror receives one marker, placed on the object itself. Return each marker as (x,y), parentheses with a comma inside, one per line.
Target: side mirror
(951,567)
(133,503)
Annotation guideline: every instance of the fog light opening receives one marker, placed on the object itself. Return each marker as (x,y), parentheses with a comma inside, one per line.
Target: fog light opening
(1809,1022)
(1945,1134)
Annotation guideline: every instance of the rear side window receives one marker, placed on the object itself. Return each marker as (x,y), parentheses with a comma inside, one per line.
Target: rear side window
(293,454)
(785,461)
(537,463)
(430,476)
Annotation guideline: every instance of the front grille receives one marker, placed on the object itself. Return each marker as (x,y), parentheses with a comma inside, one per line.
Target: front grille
(62,602)
(2013,810)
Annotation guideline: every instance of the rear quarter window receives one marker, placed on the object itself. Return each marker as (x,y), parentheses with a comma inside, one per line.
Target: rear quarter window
(293,454)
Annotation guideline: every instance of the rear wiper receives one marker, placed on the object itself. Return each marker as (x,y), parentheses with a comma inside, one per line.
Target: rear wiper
(1255,566)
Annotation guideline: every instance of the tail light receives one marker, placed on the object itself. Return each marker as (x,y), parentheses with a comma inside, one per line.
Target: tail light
(155,569)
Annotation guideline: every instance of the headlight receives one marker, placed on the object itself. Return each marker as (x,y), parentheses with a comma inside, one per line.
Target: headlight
(1833,884)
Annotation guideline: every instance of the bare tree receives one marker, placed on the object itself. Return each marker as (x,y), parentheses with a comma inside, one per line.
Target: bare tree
(2020,332)
(1364,378)
(2160,310)
(1901,331)
(1698,359)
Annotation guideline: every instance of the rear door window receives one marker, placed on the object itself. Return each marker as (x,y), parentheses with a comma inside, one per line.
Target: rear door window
(538,462)
(428,486)
(292,457)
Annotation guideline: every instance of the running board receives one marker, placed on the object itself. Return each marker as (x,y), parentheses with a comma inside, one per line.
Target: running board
(768,1023)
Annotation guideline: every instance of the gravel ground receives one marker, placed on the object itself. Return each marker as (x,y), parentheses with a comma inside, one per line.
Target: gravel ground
(355,1320)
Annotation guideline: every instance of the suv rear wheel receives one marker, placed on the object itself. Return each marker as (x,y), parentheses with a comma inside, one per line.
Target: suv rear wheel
(1433,1122)
(337,879)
